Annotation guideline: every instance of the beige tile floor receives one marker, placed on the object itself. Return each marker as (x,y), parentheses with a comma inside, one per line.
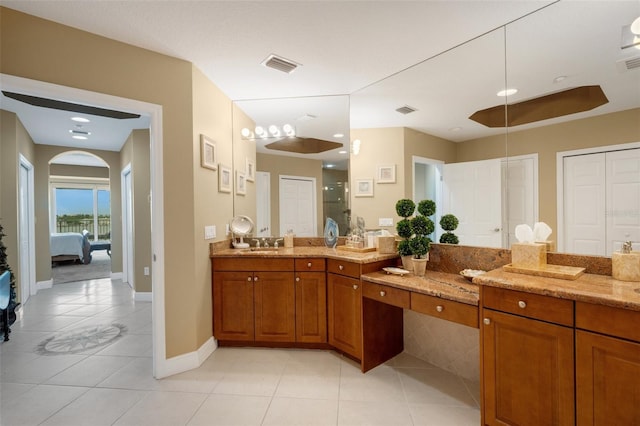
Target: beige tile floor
(113,384)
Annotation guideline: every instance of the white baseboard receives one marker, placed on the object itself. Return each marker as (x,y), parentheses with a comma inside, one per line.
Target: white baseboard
(41,285)
(142,296)
(116,275)
(185,362)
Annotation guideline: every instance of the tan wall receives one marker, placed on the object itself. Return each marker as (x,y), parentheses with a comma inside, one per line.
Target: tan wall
(280,165)
(243,150)
(78,171)
(141,176)
(383,146)
(603,130)
(46,51)
(211,117)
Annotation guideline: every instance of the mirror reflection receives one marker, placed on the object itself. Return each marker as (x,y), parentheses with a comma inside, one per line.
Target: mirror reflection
(300,150)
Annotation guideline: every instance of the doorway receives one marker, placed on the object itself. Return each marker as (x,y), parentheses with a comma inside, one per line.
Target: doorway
(263,204)
(127,227)
(298,205)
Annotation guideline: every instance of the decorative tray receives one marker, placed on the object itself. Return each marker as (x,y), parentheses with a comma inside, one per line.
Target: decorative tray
(395,271)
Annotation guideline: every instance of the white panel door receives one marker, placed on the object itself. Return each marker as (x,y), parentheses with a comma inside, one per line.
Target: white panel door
(127,227)
(26,276)
(298,205)
(263,204)
(623,199)
(472,192)
(584,205)
(520,196)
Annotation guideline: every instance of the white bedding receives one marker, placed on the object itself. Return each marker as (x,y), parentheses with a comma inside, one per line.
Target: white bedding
(67,243)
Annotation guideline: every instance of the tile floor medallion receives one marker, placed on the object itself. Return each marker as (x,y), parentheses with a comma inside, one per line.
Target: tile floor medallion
(81,339)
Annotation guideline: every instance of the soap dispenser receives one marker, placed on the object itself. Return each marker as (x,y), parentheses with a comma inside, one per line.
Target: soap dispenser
(626,263)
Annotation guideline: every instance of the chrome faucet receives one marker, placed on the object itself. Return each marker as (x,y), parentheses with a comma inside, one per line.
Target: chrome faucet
(276,243)
(626,247)
(265,243)
(257,243)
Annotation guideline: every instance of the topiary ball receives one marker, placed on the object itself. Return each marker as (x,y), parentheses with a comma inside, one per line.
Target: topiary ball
(422,225)
(449,238)
(427,207)
(404,228)
(404,248)
(405,207)
(449,222)
(419,246)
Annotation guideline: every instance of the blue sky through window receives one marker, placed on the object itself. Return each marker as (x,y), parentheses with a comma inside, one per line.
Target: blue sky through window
(71,201)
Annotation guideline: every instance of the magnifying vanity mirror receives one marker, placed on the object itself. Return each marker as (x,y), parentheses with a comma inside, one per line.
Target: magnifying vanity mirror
(240,227)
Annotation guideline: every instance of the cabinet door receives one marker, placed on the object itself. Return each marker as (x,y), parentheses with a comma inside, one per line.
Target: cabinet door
(607,380)
(345,314)
(233,306)
(311,307)
(528,374)
(274,303)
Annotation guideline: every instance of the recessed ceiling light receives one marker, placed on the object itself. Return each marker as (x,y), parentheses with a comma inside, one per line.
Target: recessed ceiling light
(559,78)
(507,92)
(79,137)
(635,26)
(455,129)
(330,166)
(342,152)
(80,119)
(338,135)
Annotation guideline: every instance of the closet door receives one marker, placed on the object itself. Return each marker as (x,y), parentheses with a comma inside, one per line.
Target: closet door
(623,199)
(584,204)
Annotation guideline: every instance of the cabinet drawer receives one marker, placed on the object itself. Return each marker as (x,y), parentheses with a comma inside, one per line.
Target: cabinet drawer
(341,267)
(252,264)
(536,306)
(309,264)
(607,320)
(445,309)
(389,295)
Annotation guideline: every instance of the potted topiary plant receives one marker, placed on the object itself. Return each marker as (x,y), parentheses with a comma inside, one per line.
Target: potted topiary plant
(449,223)
(421,226)
(404,209)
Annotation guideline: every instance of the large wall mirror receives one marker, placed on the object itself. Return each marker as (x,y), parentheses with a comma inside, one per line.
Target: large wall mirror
(294,153)
(573,75)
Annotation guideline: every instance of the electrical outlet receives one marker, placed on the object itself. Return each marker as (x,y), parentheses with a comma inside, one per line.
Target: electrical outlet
(146,270)
(227,230)
(209,232)
(385,221)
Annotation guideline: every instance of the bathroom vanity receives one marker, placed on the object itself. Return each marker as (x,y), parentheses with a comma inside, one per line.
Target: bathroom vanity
(552,351)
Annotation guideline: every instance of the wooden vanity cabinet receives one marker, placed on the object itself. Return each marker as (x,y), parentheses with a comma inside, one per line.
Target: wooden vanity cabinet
(607,365)
(311,300)
(253,300)
(527,356)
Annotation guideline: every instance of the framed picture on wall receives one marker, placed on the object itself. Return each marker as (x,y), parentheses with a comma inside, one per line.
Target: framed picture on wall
(387,173)
(250,170)
(224,178)
(364,188)
(208,158)
(241,183)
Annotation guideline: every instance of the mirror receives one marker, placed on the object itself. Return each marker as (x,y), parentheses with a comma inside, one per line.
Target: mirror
(591,199)
(289,170)
(240,226)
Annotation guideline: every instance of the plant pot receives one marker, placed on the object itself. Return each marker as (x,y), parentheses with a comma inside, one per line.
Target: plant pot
(407,262)
(419,266)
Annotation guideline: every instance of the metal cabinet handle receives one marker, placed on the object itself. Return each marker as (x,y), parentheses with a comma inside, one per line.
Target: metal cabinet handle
(439,308)
(297,279)
(255,278)
(486,321)
(309,265)
(249,279)
(383,293)
(355,286)
(522,304)
(340,267)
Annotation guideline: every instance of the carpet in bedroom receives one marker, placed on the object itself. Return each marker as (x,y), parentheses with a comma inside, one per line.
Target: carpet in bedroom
(100,267)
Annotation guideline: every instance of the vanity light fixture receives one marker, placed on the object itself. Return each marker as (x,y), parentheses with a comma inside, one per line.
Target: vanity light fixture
(355,147)
(507,92)
(631,35)
(270,132)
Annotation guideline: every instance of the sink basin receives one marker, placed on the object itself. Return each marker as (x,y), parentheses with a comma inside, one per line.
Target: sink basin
(261,250)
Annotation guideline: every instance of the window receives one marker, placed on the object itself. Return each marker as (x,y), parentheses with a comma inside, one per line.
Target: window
(76,206)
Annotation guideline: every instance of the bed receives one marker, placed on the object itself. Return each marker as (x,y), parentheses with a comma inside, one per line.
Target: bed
(70,246)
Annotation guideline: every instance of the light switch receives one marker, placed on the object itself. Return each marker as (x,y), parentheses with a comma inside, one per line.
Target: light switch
(385,221)
(146,270)
(209,232)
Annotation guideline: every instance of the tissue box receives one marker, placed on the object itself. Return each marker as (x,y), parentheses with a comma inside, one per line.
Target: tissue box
(528,255)
(387,244)
(626,266)
(551,245)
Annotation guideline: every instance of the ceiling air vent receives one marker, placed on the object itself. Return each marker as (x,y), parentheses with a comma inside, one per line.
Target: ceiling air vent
(80,132)
(628,64)
(280,64)
(406,110)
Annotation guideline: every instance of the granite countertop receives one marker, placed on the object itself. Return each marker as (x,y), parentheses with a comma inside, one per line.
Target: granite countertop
(598,289)
(314,251)
(439,284)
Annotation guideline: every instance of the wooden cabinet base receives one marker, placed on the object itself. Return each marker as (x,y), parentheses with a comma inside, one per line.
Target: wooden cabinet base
(385,340)
(280,345)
